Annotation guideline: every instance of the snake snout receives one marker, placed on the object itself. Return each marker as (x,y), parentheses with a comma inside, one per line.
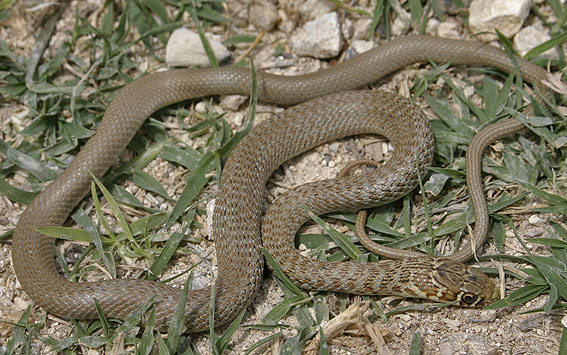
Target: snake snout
(468,285)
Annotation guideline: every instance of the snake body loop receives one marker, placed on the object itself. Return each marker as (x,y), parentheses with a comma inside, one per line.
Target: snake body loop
(237,216)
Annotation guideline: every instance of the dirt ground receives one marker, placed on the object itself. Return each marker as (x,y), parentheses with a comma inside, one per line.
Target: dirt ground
(443,331)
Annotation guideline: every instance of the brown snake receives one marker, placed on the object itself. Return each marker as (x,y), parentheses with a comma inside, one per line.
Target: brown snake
(237,216)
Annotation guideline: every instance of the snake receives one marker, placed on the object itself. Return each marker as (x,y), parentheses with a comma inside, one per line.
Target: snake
(323,106)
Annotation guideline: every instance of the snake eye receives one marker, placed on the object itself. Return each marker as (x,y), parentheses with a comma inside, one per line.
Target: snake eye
(469,298)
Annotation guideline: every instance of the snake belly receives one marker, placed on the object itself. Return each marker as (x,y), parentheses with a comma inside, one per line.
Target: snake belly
(237,216)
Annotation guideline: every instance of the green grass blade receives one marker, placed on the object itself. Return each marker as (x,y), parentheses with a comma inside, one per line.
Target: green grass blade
(261,342)
(195,182)
(342,241)
(279,272)
(118,214)
(223,341)
(563,342)
(177,323)
(15,194)
(545,46)
(147,341)
(89,226)
(167,252)
(103,320)
(415,346)
(148,182)
(28,163)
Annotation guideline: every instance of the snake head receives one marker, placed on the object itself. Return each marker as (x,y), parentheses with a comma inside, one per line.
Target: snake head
(466,284)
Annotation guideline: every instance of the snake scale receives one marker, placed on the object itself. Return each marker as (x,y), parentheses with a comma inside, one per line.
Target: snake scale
(238,213)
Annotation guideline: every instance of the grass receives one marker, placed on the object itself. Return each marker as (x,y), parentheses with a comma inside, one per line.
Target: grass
(532,171)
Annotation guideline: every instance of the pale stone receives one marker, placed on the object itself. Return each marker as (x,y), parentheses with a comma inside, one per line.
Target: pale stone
(20,303)
(312,9)
(184,48)
(532,36)
(401,24)
(232,102)
(320,38)
(210,207)
(535,220)
(289,15)
(201,106)
(361,28)
(263,15)
(448,30)
(505,15)
(362,46)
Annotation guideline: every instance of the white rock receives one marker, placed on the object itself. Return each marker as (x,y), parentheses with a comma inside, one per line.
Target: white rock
(200,281)
(535,220)
(448,30)
(20,303)
(320,38)
(401,25)
(235,118)
(232,102)
(201,106)
(361,28)
(210,207)
(263,15)
(505,15)
(240,18)
(288,14)
(184,48)
(312,9)
(362,46)
(432,26)
(402,22)
(532,36)
(347,28)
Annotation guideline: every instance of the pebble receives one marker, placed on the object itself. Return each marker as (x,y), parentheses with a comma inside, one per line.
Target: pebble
(312,9)
(531,36)
(535,220)
(263,15)
(334,147)
(448,30)
(505,15)
(320,38)
(358,47)
(361,28)
(20,303)
(402,22)
(200,280)
(401,25)
(201,106)
(210,207)
(236,118)
(361,46)
(346,28)
(232,102)
(464,343)
(289,16)
(184,48)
